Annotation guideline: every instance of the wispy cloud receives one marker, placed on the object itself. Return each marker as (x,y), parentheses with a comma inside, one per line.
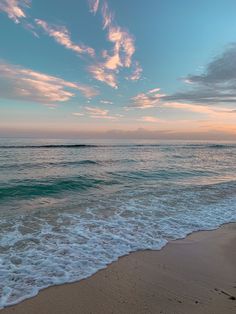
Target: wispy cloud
(217,84)
(147,100)
(62,37)
(154,90)
(78,114)
(93,5)
(106,102)
(151,119)
(214,113)
(25,84)
(99,113)
(88,91)
(123,42)
(107,117)
(121,54)
(107,15)
(15,9)
(99,72)
(137,72)
(124,48)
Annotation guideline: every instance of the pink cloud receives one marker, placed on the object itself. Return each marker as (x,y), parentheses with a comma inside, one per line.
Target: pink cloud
(93,5)
(106,117)
(25,84)
(153,91)
(99,113)
(113,62)
(107,15)
(62,37)
(87,91)
(14,9)
(151,119)
(123,48)
(210,111)
(137,72)
(120,55)
(147,100)
(101,74)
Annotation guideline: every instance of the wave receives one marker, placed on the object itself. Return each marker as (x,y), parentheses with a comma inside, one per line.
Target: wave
(45,146)
(209,146)
(49,146)
(164,174)
(48,164)
(35,188)
(31,188)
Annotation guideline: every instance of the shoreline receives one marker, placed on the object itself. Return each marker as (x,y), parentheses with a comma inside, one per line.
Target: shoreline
(170,280)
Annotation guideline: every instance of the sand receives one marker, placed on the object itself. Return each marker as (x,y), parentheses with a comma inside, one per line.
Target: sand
(193,275)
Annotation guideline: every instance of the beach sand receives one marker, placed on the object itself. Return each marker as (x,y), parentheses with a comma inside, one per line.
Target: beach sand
(193,275)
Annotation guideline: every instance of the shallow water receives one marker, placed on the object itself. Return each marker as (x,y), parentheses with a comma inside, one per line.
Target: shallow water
(69,208)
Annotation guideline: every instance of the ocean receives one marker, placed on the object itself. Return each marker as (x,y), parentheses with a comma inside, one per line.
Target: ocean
(68,208)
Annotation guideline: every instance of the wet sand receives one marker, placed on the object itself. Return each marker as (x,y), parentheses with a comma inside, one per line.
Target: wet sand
(193,275)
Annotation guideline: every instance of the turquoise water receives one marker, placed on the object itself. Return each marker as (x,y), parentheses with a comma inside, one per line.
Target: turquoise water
(69,208)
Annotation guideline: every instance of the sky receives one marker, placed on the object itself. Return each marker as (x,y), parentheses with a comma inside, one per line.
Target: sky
(160,69)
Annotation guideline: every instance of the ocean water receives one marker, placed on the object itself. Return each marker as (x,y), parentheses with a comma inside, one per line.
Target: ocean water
(69,208)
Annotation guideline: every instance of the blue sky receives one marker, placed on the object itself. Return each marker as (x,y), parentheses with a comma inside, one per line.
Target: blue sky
(157,67)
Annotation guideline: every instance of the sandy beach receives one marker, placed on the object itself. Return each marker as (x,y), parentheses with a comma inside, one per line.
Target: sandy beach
(193,275)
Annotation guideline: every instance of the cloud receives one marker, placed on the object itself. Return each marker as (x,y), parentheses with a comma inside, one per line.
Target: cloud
(123,42)
(154,99)
(31,28)
(62,37)
(151,119)
(108,117)
(152,91)
(77,114)
(190,107)
(120,56)
(137,72)
(221,69)
(99,113)
(107,15)
(87,91)
(124,48)
(101,74)
(15,9)
(216,114)
(93,5)
(106,102)
(147,100)
(216,85)
(25,84)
